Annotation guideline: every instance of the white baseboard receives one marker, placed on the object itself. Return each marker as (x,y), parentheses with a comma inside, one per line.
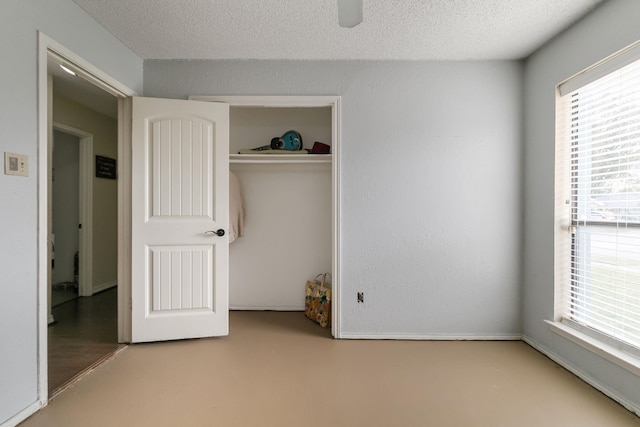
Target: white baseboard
(429,337)
(23,415)
(105,286)
(583,376)
(266,308)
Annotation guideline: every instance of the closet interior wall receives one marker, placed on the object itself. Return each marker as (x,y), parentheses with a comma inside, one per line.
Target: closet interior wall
(288,224)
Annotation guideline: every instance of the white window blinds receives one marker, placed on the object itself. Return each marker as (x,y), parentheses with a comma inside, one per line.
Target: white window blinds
(602,139)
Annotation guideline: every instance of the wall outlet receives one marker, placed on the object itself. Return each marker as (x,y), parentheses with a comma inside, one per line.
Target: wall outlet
(360,297)
(16,164)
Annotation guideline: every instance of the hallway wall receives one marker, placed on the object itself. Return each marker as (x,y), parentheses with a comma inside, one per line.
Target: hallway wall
(65,209)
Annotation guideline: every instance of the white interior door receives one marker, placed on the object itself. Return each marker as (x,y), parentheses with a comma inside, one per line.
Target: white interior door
(180,192)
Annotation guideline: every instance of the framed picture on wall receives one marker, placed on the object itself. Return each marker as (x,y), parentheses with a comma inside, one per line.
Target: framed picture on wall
(105,167)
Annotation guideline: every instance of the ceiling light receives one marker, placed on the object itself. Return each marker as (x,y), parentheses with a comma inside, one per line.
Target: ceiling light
(349,13)
(67,70)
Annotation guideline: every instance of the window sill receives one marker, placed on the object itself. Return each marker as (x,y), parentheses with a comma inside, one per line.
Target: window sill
(612,354)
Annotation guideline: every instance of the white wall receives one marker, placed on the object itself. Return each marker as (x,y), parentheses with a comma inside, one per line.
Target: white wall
(66,23)
(431,180)
(609,28)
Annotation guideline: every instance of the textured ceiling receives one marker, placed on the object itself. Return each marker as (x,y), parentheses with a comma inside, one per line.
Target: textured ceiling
(308,29)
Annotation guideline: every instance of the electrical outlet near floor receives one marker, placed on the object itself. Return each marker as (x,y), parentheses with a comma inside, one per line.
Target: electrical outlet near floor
(360,297)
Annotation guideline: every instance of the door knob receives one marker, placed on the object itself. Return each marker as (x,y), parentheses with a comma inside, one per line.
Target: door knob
(219,232)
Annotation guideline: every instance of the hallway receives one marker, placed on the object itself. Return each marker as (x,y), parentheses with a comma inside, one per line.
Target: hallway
(85,332)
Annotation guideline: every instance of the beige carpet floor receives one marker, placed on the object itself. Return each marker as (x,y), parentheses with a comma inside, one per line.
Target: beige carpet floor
(280,369)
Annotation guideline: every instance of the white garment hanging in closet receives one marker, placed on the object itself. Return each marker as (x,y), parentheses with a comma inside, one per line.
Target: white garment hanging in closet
(236,208)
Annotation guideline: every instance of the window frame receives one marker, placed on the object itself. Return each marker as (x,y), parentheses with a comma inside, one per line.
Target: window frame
(617,351)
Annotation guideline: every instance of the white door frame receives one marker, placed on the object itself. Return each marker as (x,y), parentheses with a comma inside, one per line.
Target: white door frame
(85,199)
(50,49)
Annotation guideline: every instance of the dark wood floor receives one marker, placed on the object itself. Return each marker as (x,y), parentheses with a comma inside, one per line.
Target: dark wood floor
(85,331)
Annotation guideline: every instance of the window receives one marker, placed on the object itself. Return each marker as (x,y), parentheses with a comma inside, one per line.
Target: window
(598,208)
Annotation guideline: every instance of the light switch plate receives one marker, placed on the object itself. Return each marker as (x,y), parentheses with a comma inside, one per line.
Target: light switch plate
(16,164)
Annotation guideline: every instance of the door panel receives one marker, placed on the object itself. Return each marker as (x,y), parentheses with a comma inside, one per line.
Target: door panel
(177,277)
(180,192)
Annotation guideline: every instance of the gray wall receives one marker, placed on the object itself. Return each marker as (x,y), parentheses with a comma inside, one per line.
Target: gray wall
(431,175)
(609,28)
(65,205)
(66,23)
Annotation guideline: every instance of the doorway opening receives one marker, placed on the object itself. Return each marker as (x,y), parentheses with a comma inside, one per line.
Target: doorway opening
(91,280)
(83,312)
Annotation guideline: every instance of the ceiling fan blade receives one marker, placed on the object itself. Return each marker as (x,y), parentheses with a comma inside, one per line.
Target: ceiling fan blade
(349,13)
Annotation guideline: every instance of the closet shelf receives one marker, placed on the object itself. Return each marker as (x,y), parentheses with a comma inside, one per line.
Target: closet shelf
(279,158)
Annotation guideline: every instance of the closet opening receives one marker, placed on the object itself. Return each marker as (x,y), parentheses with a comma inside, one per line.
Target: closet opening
(289,234)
